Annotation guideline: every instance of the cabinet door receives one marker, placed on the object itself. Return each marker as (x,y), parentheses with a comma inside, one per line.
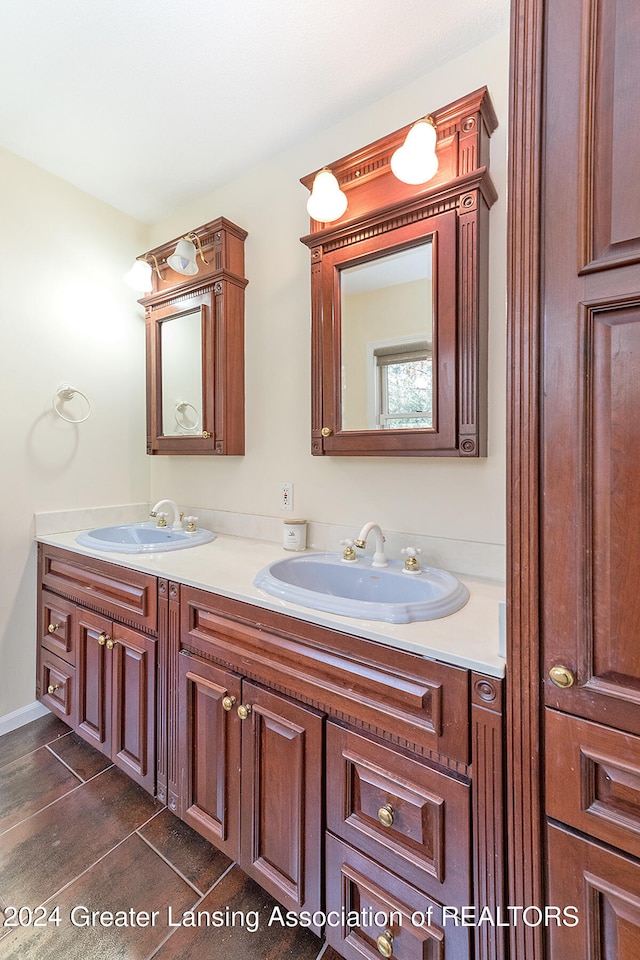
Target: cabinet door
(133,714)
(591,400)
(94,679)
(281,826)
(209,752)
(603,887)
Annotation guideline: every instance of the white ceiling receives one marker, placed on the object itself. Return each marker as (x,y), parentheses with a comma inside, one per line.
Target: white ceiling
(148,104)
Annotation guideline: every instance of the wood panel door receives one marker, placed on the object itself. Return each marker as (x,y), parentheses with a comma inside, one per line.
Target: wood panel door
(591,361)
(94,679)
(590,471)
(133,705)
(282,775)
(209,752)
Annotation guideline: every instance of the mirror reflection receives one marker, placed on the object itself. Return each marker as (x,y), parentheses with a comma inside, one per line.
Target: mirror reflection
(181,352)
(387,341)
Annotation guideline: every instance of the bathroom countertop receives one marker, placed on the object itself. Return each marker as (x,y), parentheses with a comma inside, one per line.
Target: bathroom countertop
(227,566)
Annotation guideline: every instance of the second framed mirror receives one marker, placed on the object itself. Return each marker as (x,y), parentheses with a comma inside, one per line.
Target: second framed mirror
(399,297)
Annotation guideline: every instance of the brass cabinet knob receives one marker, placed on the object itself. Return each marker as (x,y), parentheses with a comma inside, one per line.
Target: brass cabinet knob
(52,689)
(53,627)
(205,435)
(386,814)
(102,639)
(384,944)
(110,643)
(244,710)
(562,677)
(326,431)
(227,703)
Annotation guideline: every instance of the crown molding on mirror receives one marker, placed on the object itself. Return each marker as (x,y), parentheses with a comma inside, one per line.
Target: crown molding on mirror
(448,295)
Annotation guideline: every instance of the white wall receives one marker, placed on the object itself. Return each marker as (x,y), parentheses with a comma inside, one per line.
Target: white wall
(65,315)
(458,499)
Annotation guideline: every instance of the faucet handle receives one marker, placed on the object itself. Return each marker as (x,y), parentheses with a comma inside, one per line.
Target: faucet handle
(349,554)
(411,564)
(190,524)
(162,518)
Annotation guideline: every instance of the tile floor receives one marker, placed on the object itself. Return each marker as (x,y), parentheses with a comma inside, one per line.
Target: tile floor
(79,838)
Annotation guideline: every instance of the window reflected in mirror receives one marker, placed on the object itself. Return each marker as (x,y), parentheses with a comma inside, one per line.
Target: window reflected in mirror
(387,323)
(181,352)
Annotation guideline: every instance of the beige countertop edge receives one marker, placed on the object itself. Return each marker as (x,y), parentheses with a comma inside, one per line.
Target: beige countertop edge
(227,566)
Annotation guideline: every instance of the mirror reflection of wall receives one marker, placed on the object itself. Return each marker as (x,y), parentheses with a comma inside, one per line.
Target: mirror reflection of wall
(181,349)
(387,341)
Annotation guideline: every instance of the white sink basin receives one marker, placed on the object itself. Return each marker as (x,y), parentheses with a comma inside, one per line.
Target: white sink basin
(142,538)
(325,582)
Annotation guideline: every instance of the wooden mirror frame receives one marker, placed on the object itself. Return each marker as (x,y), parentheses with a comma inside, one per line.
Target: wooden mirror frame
(218,291)
(384,214)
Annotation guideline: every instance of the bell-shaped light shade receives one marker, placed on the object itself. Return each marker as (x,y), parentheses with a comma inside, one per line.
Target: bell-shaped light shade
(416,161)
(327,202)
(139,277)
(183,259)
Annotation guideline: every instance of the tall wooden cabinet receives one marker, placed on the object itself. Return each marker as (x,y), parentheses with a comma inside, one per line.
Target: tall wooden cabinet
(576,467)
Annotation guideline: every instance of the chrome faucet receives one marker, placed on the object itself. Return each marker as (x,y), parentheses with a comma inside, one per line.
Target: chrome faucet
(379,559)
(177,515)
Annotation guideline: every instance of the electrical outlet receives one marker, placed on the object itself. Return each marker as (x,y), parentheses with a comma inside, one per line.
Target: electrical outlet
(286,496)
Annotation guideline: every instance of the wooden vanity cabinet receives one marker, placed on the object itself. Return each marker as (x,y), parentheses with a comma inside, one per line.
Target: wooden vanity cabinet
(95,672)
(339,773)
(251,778)
(363,777)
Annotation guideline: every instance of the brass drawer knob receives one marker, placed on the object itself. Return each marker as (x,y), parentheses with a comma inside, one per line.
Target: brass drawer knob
(385,944)
(102,639)
(52,689)
(562,677)
(110,643)
(326,431)
(53,627)
(244,710)
(206,435)
(227,703)
(386,814)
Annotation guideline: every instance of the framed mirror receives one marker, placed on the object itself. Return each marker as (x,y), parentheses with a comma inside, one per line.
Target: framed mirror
(399,299)
(195,348)
(181,341)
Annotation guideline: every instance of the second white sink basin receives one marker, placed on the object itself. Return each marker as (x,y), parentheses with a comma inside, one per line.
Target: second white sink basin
(141,538)
(325,582)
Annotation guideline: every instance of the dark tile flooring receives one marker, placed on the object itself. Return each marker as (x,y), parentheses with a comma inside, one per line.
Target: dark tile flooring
(100,870)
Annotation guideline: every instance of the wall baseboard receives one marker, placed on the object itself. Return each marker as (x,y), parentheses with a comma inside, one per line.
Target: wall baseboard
(11,721)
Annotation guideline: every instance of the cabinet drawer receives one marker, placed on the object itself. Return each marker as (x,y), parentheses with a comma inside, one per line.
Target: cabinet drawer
(56,626)
(412,925)
(419,703)
(58,687)
(595,890)
(593,779)
(126,595)
(409,817)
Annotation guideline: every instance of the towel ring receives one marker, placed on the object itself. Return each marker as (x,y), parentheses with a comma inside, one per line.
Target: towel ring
(64,393)
(178,413)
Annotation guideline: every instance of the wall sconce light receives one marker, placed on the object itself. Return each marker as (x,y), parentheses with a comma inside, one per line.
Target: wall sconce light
(327,202)
(183,259)
(416,161)
(139,276)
